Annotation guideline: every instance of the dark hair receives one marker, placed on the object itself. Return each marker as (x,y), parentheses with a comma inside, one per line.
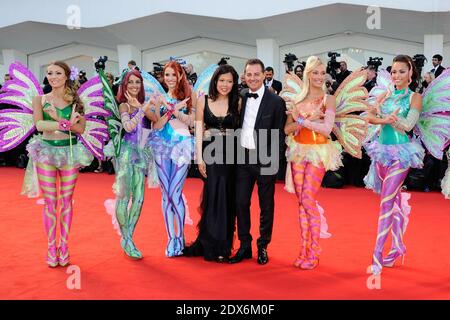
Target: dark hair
(411,66)
(124,87)
(132,62)
(269,69)
(183,89)
(233,96)
(299,66)
(253,62)
(70,93)
(438,56)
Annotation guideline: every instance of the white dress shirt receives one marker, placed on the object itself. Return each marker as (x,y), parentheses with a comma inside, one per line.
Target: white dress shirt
(248,126)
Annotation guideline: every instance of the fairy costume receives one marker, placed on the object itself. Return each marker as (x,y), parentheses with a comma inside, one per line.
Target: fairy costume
(132,162)
(311,152)
(393,153)
(173,150)
(52,158)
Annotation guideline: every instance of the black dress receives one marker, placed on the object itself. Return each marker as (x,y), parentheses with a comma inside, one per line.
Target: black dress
(217,209)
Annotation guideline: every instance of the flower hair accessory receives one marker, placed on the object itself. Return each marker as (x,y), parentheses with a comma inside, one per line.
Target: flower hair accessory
(73,73)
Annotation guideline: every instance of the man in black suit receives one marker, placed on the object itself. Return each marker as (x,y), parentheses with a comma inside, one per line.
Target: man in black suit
(437,70)
(340,77)
(274,85)
(262,122)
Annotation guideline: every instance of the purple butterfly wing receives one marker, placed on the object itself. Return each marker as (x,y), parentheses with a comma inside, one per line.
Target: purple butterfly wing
(96,132)
(16,124)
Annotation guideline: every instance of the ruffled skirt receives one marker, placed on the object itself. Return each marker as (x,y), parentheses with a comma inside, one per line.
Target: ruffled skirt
(132,157)
(180,149)
(409,154)
(328,155)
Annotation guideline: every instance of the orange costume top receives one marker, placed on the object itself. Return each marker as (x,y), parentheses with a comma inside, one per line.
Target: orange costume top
(312,146)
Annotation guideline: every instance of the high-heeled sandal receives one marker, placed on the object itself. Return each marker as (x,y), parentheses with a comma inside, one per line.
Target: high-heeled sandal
(309,264)
(298,261)
(130,249)
(376,266)
(52,257)
(391,259)
(63,255)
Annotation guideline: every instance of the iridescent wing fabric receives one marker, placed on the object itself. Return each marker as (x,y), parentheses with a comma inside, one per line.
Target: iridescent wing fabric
(152,87)
(113,120)
(17,124)
(384,88)
(96,132)
(433,126)
(350,127)
(201,87)
(292,86)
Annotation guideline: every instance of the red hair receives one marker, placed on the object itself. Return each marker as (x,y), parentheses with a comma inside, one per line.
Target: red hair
(182,89)
(124,87)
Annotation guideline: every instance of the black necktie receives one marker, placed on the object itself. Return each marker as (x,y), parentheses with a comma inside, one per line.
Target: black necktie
(251,95)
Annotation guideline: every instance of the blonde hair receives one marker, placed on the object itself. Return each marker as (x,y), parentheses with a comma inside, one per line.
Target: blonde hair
(312,63)
(431,74)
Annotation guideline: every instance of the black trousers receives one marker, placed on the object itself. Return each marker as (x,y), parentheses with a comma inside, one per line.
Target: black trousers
(246,177)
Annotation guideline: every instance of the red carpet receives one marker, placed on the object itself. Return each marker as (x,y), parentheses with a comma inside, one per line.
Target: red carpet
(107,274)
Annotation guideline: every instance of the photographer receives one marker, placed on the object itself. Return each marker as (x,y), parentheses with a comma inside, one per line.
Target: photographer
(82,77)
(289,60)
(298,70)
(344,72)
(132,65)
(190,74)
(332,65)
(419,62)
(274,85)
(371,78)
(427,79)
(330,84)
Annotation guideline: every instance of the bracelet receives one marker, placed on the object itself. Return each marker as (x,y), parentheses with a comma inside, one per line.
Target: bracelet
(64,125)
(300,121)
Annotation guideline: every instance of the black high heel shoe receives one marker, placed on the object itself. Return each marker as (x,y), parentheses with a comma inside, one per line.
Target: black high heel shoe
(221,259)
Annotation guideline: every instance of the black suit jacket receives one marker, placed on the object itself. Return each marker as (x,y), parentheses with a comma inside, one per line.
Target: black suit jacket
(277,86)
(438,71)
(271,115)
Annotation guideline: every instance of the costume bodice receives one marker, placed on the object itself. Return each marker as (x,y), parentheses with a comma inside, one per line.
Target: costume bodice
(399,99)
(305,135)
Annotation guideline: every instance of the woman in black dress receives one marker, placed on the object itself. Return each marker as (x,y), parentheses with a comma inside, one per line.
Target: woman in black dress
(217,116)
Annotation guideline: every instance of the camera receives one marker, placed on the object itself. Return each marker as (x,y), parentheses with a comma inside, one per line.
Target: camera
(157,67)
(333,65)
(289,60)
(375,62)
(223,61)
(419,60)
(100,63)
